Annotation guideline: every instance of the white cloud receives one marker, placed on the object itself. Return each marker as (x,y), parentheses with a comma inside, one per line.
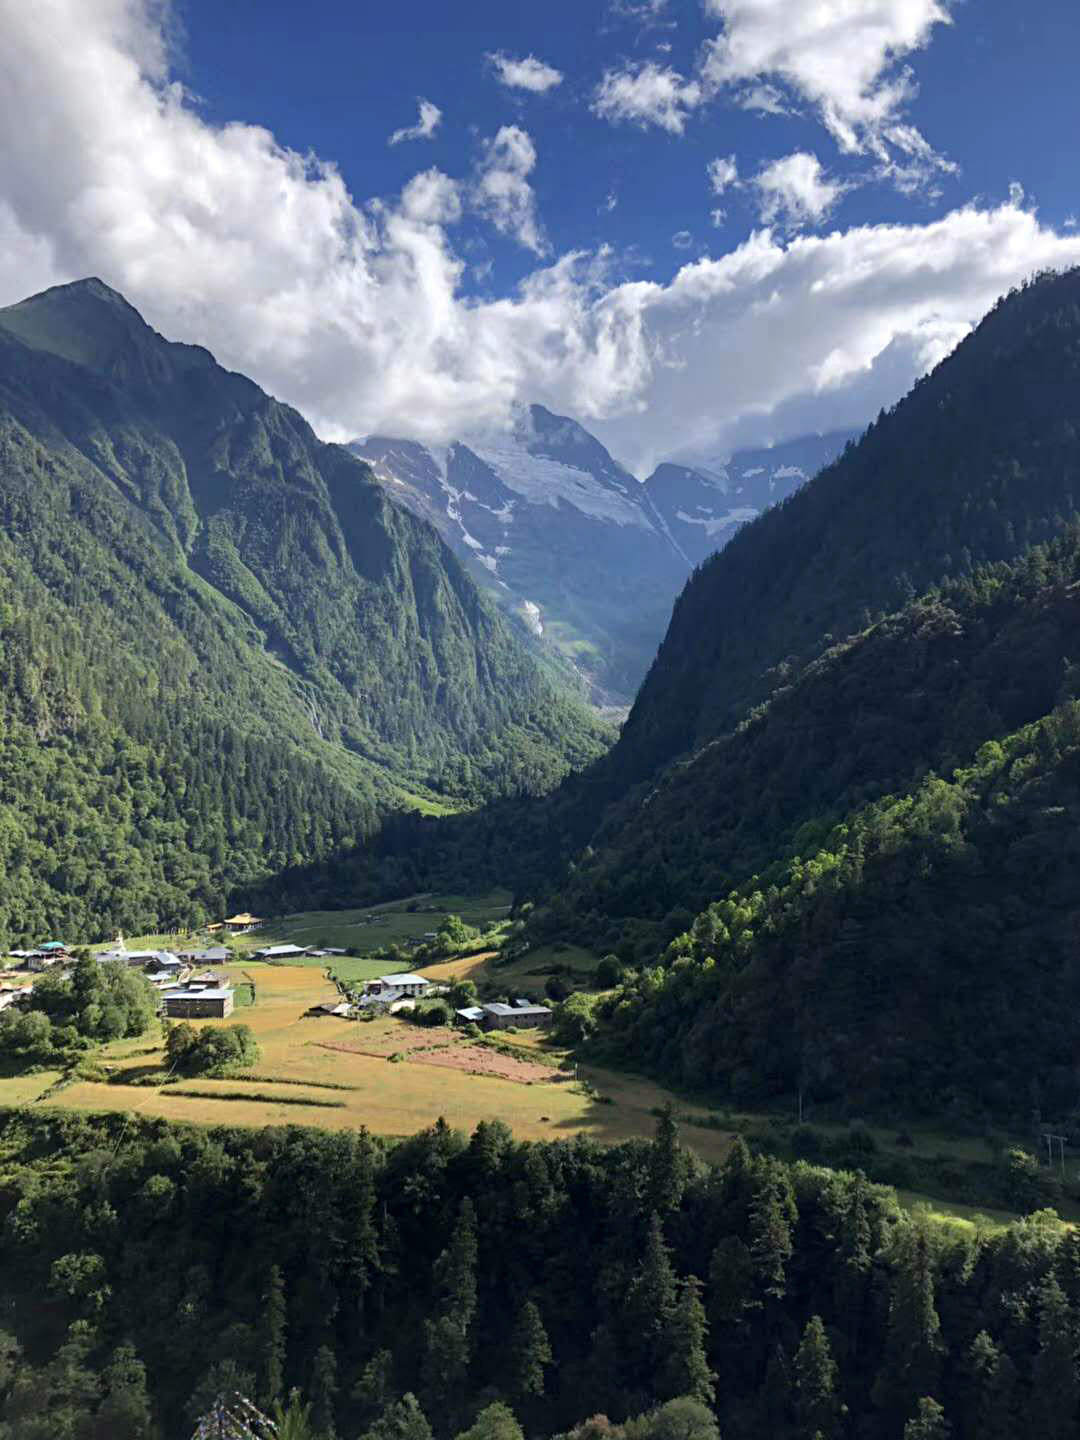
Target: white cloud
(428,122)
(431,198)
(765,99)
(503,192)
(648,12)
(527,74)
(794,191)
(717,217)
(842,56)
(723,172)
(358,314)
(682,239)
(608,204)
(647,94)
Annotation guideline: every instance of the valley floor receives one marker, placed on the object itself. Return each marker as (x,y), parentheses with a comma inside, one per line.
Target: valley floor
(313,1070)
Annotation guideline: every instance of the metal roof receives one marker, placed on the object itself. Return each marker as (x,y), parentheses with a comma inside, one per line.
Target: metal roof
(498,1008)
(207,994)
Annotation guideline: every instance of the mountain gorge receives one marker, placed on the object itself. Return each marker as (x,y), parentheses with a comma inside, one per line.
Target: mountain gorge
(226,650)
(586,558)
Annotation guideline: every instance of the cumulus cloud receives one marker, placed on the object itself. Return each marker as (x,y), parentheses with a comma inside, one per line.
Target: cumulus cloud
(527,74)
(841,56)
(647,94)
(358,313)
(795,191)
(503,192)
(723,172)
(682,239)
(427,123)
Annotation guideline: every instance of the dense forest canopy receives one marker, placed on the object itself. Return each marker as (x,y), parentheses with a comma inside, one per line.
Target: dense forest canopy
(440,1282)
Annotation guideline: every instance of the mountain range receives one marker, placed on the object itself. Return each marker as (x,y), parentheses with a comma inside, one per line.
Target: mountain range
(224,649)
(587,558)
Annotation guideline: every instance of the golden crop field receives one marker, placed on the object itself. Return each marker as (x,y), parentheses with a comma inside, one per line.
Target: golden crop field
(299,1081)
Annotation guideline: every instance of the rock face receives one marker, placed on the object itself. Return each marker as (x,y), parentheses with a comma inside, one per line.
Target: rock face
(587,558)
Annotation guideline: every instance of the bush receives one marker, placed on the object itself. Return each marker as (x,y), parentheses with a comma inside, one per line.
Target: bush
(806,1143)
(608,973)
(216,1051)
(574,1019)
(556,988)
(437,1013)
(860,1139)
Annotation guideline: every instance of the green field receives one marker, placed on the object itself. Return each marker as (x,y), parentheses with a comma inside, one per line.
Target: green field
(366,929)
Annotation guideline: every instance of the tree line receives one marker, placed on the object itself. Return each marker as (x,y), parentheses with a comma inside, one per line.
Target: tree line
(436,1284)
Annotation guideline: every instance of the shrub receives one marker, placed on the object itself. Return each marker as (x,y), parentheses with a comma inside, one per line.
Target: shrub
(608,973)
(437,1013)
(216,1051)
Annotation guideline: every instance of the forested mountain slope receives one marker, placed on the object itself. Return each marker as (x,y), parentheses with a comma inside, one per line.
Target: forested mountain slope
(923,957)
(225,650)
(915,694)
(981,460)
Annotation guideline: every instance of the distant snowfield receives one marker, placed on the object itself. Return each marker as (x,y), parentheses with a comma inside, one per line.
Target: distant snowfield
(546,482)
(713,526)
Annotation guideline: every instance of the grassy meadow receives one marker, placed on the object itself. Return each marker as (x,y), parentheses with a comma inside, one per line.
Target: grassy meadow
(298,1080)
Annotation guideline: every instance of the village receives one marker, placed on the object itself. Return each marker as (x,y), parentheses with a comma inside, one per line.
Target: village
(189,988)
(348,1035)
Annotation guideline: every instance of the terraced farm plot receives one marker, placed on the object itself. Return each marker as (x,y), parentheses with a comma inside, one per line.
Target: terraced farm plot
(479,1060)
(301,1068)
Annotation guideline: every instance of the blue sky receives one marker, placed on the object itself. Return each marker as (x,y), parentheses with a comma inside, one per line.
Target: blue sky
(997,94)
(692,223)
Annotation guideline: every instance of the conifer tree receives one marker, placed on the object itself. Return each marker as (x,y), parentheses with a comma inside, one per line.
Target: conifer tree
(998,1415)
(323,1391)
(731,1278)
(776,1396)
(125,1412)
(455,1269)
(855,1259)
(668,1167)
(1053,1373)
(649,1302)
(772,1214)
(530,1352)
(816,1400)
(272,1339)
(495,1422)
(403,1420)
(684,1367)
(928,1422)
(913,1342)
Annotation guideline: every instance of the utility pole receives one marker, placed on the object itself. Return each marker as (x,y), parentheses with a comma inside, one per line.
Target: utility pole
(1051,1141)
